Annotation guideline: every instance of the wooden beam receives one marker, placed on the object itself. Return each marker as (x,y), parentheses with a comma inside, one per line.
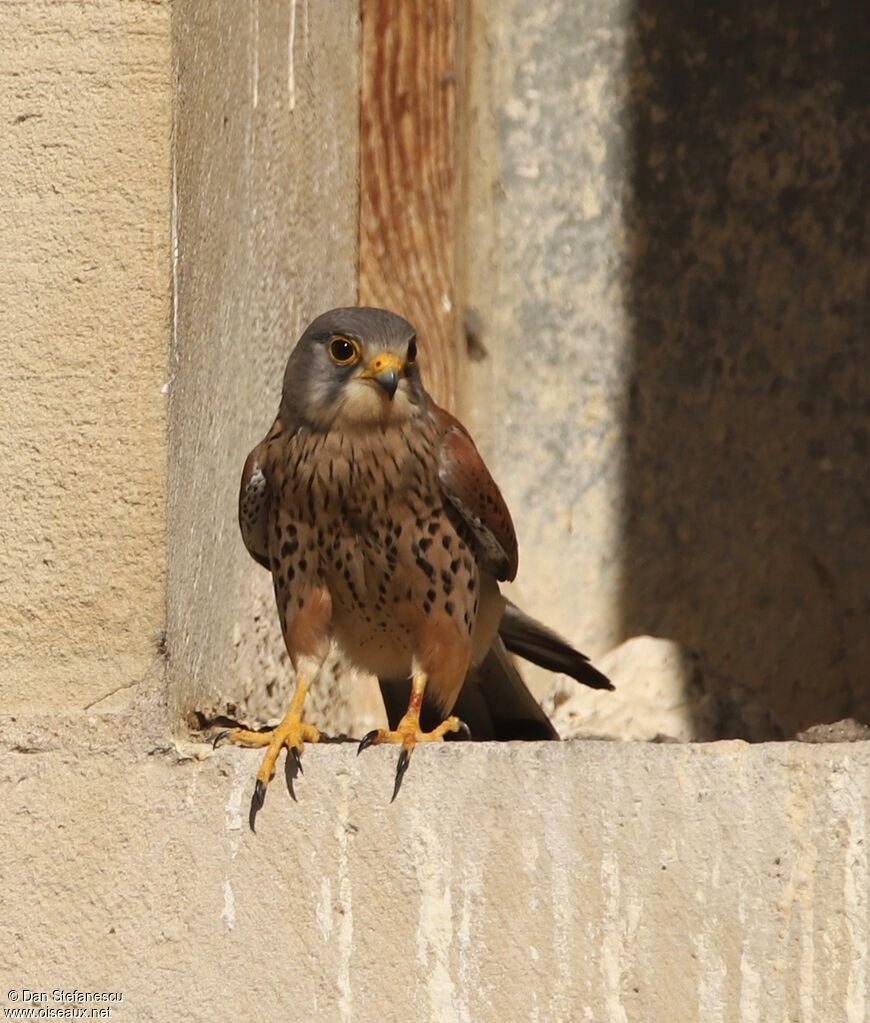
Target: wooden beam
(409,174)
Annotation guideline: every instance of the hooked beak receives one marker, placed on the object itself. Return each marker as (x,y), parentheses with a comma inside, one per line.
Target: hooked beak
(384,370)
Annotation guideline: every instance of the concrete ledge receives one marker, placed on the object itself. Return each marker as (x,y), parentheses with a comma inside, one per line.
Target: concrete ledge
(574,881)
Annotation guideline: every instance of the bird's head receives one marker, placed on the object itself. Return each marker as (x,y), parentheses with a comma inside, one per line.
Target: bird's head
(354,366)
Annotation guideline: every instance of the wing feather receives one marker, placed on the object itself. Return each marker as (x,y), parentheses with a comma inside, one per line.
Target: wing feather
(473,492)
(255,499)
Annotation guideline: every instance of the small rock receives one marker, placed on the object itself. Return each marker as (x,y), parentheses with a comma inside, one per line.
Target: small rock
(658,693)
(847,730)
(196,751)
(664,693)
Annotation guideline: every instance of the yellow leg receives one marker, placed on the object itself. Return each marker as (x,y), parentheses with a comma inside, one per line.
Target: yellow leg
(407,732)
(291,733)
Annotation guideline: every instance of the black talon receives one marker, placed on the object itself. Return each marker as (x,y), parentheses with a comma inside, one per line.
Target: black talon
(257,800)
(297,760)
(401,767)
(219,737)
(464,730)
(367,740)
(292,767)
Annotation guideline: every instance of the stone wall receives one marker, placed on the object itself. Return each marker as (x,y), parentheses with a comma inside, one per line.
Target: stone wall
(548,143)
(85,285)
(265,198)
(747,517)
(668,270)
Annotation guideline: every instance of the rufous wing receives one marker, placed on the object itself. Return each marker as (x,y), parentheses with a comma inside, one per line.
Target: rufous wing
(471,490)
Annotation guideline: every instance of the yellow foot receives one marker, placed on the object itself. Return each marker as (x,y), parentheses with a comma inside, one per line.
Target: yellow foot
(291,733)
(408,734)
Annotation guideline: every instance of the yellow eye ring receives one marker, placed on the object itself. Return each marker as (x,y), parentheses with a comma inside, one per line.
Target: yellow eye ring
(343,351)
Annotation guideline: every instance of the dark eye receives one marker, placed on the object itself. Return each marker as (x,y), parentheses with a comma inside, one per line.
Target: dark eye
(343,351)
(411,357)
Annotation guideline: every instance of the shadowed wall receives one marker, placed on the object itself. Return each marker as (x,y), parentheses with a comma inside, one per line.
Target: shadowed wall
(747,527)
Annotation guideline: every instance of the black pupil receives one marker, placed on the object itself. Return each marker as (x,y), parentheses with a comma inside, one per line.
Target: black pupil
(412,351)
(342,350)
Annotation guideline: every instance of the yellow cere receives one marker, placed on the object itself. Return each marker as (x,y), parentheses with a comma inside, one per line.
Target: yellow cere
(384,361)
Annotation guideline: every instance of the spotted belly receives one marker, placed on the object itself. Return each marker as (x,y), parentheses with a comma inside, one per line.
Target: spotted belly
(371,525)
(386,587)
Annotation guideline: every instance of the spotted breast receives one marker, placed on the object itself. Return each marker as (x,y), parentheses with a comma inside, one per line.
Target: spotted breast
(366,516)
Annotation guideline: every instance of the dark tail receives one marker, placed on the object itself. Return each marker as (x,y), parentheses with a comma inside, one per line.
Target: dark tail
(534,642)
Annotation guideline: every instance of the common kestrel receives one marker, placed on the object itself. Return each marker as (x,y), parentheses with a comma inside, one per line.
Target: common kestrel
(384,531)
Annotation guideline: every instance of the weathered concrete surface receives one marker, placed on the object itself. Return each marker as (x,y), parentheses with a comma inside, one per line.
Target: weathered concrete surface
(667,254)
(85,108)
(548,148)
(560,882)
(265,197)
